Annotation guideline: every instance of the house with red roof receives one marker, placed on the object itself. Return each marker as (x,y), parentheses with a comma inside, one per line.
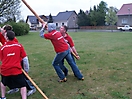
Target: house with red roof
(125,15)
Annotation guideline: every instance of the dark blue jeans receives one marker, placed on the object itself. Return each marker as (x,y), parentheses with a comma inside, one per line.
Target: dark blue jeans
(59,67)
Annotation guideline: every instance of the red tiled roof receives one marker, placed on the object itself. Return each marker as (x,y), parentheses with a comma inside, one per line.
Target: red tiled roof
(126,9)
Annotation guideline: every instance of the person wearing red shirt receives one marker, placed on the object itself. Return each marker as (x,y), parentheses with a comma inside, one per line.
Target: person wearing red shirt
(68,39)
(61,48)
(2,38)
(11,54)
(29,85)
(4,29)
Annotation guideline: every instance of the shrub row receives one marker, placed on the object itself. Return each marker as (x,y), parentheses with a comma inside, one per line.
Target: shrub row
(19,28)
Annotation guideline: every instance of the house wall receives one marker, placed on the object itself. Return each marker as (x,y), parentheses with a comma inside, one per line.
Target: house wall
(124,20)
(28,22)
(39,25)
(72,21)
(60,23)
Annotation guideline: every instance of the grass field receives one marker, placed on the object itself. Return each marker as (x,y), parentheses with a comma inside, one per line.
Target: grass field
(106,63)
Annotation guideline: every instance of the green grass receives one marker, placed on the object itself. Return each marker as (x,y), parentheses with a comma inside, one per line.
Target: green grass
(106,63)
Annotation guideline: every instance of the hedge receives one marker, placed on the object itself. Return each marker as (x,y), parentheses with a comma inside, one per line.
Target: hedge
(19,28)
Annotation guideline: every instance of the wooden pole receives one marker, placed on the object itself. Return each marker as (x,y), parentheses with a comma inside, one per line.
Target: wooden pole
(74,55)
(35,84)
(42,21)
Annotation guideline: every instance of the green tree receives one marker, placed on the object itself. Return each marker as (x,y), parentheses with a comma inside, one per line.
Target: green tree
(82,19)
(50,19)
(9,10)
(101,13)
(93,16)
(97,15)
(111,17)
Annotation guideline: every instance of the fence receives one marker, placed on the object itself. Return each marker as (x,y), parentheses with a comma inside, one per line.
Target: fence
(99,27)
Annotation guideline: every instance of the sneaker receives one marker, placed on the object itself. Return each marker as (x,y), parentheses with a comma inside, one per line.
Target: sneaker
(13,91)
(30,92)
(82,78)
(3,98)
(63,80)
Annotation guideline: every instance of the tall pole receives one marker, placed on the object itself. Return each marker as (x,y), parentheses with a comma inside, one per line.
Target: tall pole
(129,16)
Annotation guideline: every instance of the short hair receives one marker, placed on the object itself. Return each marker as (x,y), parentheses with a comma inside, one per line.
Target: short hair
(7,27)
(11,35)
(65,27)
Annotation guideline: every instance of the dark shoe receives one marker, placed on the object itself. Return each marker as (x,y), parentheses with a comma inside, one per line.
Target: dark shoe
(64,80)
(82,78)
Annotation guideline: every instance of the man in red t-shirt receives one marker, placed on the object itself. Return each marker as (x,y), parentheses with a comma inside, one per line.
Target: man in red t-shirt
(29,85)
(68,39)
(11,54)
(62,51)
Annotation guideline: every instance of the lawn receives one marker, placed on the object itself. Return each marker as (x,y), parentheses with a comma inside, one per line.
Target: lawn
(106,63)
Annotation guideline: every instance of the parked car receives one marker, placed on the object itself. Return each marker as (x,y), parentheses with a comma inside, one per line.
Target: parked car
(125,28)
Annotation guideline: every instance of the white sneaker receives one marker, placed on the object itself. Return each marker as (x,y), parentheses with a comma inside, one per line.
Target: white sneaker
(30,92)
(13,91)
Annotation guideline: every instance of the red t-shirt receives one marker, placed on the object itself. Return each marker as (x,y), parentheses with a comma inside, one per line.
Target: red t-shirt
(2,39)
(11,54)
(15,39)
(57,40)
(69,40)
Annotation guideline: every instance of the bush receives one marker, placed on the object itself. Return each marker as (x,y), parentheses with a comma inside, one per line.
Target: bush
(19,28)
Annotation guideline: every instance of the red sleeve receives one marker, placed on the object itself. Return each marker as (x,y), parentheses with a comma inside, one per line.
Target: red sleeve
(70,41)
(0,54)
(2,39)
(48,36)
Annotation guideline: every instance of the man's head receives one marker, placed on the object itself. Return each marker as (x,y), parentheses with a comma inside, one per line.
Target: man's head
(10,35)
(63,29)
(51,27)
(7,27)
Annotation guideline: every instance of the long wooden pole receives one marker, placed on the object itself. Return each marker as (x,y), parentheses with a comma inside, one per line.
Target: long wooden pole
(35,84)
(74,55)
(42,21)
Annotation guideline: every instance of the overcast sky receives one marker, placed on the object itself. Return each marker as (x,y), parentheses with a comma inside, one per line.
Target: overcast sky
(45,7)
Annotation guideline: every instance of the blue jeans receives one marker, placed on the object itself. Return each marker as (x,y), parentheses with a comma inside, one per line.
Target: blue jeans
(59,67)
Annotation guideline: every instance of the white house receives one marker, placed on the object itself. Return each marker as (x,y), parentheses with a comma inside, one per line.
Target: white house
(68,18)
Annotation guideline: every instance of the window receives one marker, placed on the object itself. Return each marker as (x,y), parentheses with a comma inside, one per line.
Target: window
(62,23)
(73,18)
(124,21)
(56,24)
